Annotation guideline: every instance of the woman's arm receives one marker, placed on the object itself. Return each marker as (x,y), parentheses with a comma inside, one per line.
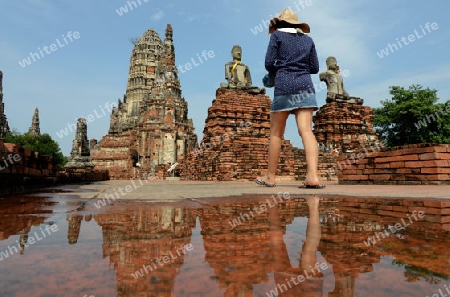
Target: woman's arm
(313,60)
(271,54)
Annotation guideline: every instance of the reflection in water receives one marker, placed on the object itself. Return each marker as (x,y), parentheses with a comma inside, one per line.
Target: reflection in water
(135,238)
(254,258)
(307,279)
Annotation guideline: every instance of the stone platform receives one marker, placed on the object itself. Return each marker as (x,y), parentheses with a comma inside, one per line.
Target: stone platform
(164,191)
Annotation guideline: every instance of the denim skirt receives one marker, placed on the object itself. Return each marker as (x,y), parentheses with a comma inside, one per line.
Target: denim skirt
(294,101)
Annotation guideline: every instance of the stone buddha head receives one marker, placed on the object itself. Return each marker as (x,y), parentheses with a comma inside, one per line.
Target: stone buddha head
(331,63)
(236,53)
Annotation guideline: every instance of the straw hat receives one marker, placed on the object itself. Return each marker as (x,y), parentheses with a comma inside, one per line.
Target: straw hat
(289,17)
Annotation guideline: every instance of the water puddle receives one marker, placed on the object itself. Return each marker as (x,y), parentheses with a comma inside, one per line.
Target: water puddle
(59,245)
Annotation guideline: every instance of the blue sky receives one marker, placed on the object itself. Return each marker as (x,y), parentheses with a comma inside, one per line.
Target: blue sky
(78,77)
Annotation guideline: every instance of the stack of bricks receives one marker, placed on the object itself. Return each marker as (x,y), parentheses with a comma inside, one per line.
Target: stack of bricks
(327,165)
(410,165)
(236,141)
(346,125)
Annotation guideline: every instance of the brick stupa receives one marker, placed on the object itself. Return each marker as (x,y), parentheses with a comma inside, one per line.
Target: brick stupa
(236,140)
(346,126)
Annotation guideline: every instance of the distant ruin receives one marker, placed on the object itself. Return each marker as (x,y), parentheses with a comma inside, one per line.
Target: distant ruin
(4,128)
(80,156)
(35,129)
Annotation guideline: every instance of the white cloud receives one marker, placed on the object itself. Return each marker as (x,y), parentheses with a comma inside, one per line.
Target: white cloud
(157,16)
(433,78)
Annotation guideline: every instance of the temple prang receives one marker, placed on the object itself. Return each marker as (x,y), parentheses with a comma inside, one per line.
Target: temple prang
(150,127)
(35,129)
(80,156)
(4,127)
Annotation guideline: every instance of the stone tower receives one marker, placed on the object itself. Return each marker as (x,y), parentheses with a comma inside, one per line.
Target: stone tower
(80,156)
(4,128)
(34,129)
(150,126)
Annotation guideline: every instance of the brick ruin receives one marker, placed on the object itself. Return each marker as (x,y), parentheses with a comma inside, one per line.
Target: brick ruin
(4,128)
(235,140)
(150,127)
(344,126)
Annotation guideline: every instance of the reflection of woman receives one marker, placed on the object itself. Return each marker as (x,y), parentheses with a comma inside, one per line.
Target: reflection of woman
(306,280)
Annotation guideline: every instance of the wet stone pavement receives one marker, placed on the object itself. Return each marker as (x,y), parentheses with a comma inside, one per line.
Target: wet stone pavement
(56,244)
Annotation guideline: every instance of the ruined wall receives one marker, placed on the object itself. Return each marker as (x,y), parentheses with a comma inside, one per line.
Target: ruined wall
(410,165)
(23,170)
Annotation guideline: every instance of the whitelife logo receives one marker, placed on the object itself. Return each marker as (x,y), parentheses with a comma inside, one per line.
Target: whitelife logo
(50,49)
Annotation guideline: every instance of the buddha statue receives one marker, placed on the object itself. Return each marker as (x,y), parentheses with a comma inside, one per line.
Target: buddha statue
(335,84)
(238,75)
(334,81)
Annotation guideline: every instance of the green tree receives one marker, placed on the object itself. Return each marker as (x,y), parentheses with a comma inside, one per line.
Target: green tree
(412,116)
(43,144)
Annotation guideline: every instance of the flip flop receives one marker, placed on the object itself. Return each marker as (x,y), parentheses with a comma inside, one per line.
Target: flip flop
(263,183)
(305,186)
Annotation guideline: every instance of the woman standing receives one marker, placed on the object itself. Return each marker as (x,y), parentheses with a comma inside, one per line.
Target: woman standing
(291,58)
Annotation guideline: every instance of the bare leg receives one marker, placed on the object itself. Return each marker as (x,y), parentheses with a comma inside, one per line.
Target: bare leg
(277,127)
(313,234)
(303,117)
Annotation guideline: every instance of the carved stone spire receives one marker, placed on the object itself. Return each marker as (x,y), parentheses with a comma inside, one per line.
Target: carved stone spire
(4,128)
(34,129)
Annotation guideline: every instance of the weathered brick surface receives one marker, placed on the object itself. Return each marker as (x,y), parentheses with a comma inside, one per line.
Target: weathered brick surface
(235,140)
(348,126)
(411,164)
(327,165)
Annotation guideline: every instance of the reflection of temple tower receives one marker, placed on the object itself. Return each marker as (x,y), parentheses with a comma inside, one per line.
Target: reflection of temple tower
(151,124)
(35,130)
(74,228)
(4,128)
(135,238)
